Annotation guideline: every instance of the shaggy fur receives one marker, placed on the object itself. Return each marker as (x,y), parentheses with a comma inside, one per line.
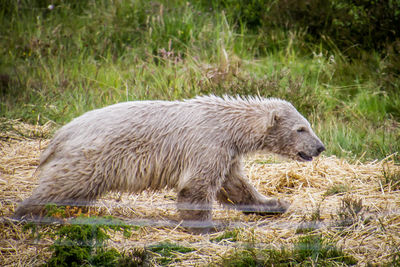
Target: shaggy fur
(195,146)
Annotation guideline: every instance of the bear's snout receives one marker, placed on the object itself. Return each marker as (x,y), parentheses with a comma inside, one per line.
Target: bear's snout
(308,153)
(320,150)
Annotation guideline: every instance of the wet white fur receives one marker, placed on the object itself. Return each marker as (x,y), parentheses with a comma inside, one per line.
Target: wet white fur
(133,146)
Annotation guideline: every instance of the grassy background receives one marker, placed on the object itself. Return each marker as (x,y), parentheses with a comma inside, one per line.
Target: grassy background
(56,62)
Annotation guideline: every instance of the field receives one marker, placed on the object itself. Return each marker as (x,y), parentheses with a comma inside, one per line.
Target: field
(59,59)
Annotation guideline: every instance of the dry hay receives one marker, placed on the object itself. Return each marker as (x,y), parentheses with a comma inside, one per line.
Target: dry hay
(372,236)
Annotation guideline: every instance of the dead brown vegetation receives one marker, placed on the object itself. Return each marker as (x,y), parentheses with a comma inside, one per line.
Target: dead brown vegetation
(356,193)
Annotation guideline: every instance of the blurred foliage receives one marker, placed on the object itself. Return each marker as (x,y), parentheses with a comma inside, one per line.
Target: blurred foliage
(348,27)
(369,24)
(337,61)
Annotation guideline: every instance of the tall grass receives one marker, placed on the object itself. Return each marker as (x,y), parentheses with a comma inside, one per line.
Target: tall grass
(58,62)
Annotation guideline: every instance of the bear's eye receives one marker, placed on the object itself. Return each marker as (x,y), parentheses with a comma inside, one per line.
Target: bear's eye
(301,130)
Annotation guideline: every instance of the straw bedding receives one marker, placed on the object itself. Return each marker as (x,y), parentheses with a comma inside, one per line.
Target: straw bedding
(372,236)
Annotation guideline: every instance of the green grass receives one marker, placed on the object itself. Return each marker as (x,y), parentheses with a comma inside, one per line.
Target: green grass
(57,64)
(308,250)
(82,241)
(390,179)
(350,212)
(167,252)
(336,189)
(228,235)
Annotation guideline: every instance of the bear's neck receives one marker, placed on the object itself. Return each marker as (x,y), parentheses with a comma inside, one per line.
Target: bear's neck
(240,122)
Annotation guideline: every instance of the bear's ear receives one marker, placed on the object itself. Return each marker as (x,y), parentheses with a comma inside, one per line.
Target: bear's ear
(276,118)
(272,119)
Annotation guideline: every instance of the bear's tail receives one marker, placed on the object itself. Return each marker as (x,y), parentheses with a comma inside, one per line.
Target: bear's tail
(47,154)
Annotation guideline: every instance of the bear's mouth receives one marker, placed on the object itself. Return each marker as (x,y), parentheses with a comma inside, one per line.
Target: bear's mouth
(304,156)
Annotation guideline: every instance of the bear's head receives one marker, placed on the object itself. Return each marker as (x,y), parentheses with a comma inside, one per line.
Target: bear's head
(289,134)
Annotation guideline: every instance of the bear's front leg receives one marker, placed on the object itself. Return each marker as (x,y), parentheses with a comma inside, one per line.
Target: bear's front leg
(236,191)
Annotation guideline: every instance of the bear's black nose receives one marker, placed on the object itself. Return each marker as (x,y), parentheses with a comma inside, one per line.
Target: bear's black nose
(321,149)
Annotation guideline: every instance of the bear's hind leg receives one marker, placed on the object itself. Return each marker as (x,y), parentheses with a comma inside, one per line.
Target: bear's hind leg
(195,206)
(58,193)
